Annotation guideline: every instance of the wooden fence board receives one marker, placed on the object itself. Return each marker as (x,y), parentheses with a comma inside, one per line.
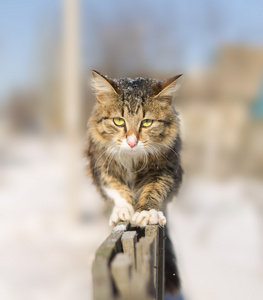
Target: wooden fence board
(153,231)
(145,261)
(102,284)
(125,269)
(161,250)
(112,244)
(129,240)
(102,280)
(121,272)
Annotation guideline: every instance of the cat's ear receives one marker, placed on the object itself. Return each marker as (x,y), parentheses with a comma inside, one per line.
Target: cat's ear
(166,90)
(104,87)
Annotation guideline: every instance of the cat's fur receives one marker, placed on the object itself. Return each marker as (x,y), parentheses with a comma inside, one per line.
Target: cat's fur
(136,168)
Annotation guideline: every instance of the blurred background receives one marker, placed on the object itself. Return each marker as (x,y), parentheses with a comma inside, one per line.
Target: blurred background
(51,216)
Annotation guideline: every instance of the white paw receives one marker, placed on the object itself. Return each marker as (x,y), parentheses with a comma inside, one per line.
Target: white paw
(121,214)
(145,217)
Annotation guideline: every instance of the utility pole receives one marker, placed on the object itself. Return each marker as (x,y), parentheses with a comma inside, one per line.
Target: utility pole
(72,100)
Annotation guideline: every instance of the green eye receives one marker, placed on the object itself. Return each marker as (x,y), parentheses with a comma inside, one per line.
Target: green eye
(118,121)
(147,123)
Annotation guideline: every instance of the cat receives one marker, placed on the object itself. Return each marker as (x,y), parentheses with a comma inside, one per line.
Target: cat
(134,150)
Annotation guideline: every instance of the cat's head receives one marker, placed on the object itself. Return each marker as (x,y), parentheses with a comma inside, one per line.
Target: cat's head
(134,116)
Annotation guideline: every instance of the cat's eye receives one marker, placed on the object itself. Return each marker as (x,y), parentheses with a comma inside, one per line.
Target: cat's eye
(147,123)
(118,121)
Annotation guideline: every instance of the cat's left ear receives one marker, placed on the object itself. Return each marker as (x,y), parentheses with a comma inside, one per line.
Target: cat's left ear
(167,89)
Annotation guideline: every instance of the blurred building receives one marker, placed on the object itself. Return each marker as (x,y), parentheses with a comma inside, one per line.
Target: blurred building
(221,134)
(220,127)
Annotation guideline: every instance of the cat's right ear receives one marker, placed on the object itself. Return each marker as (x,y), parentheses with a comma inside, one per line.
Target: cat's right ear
(167,89)
(105,88)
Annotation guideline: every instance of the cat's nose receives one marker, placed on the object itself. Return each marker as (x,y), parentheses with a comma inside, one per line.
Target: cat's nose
(132,141)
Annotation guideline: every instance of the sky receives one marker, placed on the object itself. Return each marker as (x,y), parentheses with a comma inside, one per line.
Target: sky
(19,29)
(199,26)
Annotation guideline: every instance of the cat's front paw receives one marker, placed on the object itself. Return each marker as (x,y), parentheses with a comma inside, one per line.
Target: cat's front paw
(121,214)
(145,217)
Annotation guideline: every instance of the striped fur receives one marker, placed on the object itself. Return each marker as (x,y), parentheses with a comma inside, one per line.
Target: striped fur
(138,181)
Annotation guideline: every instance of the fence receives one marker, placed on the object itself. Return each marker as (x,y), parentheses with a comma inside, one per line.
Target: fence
(130,264)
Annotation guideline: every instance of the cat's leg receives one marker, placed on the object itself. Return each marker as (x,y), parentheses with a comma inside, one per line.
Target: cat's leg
(123,208)
(152,195)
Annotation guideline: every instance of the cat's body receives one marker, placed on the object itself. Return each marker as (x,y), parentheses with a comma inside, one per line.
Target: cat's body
(133,147)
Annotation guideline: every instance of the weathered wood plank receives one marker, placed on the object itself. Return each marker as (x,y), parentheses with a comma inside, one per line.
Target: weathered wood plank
(102,280)
(138,273)
(112,244)
(145,261)
(129,239)
(139,288)
(121,272)
(102,284)
(161,259)
(153,231)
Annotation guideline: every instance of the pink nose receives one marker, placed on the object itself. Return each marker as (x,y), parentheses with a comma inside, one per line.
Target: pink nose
(132,143)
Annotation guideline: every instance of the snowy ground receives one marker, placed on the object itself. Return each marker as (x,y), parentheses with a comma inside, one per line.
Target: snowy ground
(217,230)
(45,254)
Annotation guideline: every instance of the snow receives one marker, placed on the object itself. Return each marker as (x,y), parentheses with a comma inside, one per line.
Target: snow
(120,227)
(217,229)
(46,254)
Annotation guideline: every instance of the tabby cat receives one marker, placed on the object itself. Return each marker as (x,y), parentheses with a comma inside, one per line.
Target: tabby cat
(133,149)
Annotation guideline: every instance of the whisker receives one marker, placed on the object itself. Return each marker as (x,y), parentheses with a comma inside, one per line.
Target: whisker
(111,158)
(159,152)
(99,158)
(109,155)
(145,163)
(120,160)
(170,148)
